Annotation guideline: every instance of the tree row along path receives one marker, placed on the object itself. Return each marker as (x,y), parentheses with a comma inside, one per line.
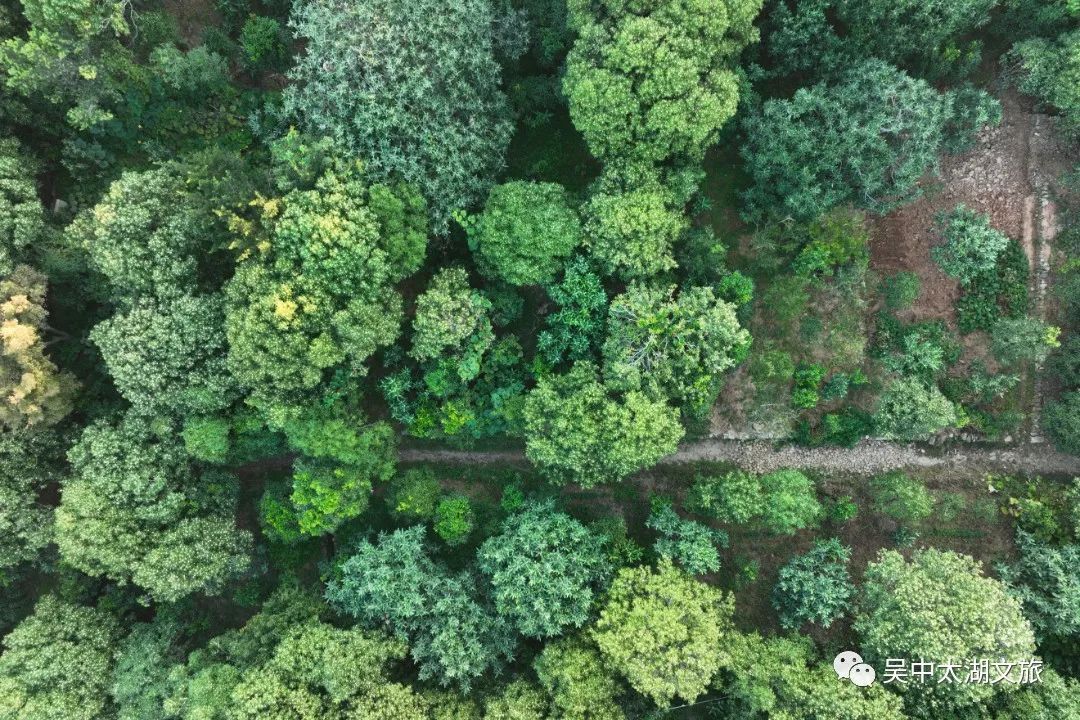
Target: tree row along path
(866,458)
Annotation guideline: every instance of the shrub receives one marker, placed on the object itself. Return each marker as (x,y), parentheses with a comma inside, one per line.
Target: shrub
(688,543)
(908,410)
(971,246)
(734,497)
(1001,292)
(843,510)
(454,519)
(263,43)
(790,502)
(814,587)
(413,495)
(900,291)
(807,381)
(901,497)
(1061,418)
(1023,339)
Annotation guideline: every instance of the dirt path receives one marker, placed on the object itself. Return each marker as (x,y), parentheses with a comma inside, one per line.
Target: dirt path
(867,458)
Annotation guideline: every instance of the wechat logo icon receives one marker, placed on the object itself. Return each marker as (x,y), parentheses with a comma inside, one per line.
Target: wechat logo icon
(849,665)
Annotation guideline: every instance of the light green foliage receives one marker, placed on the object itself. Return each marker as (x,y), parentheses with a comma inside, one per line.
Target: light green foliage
(577,682)
(901,290)
(575,431)
(316,669)
(1023,339)
(1061,418)
(672,347)
(814,587)
(35,392)
(776,678)
(454,519)
(57,663)
(544,568)
(318,297)
(1044,578)
(690,544)
(1051,72)
(631,225)
(526,232)
(143,235)
(867,140)
(168,356)
(519,700)
(939,605)
(1051,698)
(654,81)
(413,495)
(734,497)
(135,511)
(901,497)
(909,410)
(971,247)
(326,494)
(412,89)
(663,631)
(452,318)
(28,463)
(790,502)
(578,325)
(22,222)
(917,32)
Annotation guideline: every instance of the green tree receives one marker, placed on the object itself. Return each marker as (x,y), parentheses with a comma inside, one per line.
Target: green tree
(577,327)
(790,503)
(29,462)
(912,32)
(169,356)
(776,678)
(631,225)
(413,90)
(939,605)
(35,391)
(318,299)
(815,586)
(663,631)
(1052,697)
(544,568)
(143,235)
(1043,578)
(866,139)
(971,247)
(144,661)
(452,318)
(577,682)
(57,663)
(655,81)
(692,545)
(526,232)
(22,221)
(575,431)
(909,410)
(672,347)
(454,519)
(414,495)
(901,497)
(519,700)
(136,511)
(1049,70)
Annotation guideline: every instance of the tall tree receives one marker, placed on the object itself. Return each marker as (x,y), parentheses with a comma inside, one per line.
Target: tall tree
(412,89)
(655,80)
(544,569)
(22,220)
(663,631)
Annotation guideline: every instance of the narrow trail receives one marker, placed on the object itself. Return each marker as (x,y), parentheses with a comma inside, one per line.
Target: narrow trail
(866,458)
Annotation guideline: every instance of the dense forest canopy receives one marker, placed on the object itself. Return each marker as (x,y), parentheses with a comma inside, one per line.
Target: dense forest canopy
(402,360)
